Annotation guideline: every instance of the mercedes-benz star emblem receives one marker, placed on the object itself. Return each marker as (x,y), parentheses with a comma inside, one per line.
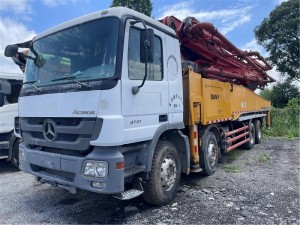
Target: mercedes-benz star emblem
(49,130)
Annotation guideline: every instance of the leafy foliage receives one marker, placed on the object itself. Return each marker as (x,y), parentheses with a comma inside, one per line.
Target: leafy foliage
(285,122)
(281,93)
(142,6)
(279,35)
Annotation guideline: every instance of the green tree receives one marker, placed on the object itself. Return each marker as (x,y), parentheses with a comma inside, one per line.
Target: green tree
(142,6)
(281,94)
(266,93)
(279,35)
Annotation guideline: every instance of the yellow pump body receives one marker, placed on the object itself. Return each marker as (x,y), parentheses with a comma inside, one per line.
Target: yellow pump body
(212,102)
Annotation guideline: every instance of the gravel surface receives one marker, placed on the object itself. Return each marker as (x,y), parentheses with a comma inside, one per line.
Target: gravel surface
(260,186)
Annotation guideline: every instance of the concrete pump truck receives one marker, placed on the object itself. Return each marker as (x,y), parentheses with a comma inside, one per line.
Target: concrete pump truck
(118,103)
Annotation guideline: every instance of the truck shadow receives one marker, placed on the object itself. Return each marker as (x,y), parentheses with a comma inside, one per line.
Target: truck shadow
(86,207)
(7,167)
(91,208)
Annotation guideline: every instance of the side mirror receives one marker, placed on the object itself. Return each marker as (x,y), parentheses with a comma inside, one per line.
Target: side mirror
(147,44)
(11,50)
(1,99)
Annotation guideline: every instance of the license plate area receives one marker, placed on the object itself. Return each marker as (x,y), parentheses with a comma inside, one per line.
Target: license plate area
(45,161)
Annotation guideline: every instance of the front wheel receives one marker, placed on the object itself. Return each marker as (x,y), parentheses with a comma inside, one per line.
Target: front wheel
(209,154)
(164,177)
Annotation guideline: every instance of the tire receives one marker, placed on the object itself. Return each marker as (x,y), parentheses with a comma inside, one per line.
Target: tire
(164,177)
(258,131)
(209,154)
(15,153)
(250,144)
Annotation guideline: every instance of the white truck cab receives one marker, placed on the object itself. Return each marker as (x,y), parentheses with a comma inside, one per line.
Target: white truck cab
(89,116)
(10,86)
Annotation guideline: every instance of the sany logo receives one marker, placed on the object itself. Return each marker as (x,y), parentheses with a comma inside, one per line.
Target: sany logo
(83,112)
(214,96)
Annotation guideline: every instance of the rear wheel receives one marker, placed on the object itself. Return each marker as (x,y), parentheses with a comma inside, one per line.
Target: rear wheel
(258,131)
(209,154)
(250,144)
(164,177)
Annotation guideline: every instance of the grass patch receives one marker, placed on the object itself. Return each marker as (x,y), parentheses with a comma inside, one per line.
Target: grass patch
(263,158)
(247,162)
(234,155)
(232,168)
(285,122)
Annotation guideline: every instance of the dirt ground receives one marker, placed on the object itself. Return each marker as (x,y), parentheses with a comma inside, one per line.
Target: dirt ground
(260,186)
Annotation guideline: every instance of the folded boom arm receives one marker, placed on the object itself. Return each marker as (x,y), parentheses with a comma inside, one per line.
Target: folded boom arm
(216,57)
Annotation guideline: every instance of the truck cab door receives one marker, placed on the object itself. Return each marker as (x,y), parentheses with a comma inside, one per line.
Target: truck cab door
(146,111)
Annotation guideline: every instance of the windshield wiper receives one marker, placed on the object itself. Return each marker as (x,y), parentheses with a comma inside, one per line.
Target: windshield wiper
(72,77)
(67,77)
(32,82)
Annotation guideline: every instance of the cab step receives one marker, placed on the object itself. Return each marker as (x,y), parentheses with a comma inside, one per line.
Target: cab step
(131,193)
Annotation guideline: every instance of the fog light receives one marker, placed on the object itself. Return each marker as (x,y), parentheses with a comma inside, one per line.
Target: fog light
(98,184)
(22,156)
(95,169)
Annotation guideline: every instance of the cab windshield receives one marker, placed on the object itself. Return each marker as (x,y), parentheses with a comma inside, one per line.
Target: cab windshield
(83,52)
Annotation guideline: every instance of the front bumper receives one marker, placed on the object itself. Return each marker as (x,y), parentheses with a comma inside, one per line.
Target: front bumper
(6,139)
(4,146)
(66,170)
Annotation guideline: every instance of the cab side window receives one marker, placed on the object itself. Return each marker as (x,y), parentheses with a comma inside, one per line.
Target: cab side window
(136,69)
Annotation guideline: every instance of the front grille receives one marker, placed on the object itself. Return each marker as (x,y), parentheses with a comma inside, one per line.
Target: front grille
(70,133)
(66,151)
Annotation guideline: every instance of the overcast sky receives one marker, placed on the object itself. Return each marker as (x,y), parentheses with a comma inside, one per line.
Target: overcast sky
(20,20)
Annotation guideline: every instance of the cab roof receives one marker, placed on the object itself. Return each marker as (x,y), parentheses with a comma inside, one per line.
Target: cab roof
(119,12)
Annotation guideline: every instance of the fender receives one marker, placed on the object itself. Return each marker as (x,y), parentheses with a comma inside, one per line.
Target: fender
(181,143)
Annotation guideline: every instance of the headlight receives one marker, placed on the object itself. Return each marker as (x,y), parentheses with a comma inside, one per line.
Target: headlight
(95,169)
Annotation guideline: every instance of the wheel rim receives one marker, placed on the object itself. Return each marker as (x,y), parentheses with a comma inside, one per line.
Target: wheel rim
(168,173)
(212,153)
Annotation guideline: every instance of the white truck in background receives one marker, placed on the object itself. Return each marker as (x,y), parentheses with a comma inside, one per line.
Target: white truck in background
(10,86)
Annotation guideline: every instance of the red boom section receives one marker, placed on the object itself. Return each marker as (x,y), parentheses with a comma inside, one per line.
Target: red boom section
(216,57)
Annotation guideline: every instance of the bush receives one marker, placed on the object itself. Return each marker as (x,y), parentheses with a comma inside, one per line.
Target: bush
(285,122)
